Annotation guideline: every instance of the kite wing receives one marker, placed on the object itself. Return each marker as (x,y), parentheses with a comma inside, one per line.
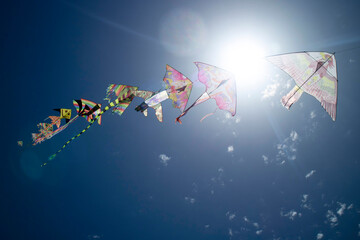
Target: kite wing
(220,85)
(151,100)
(314,73)
(178,87)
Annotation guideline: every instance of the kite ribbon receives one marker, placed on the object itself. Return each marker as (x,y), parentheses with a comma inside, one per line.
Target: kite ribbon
(208,115)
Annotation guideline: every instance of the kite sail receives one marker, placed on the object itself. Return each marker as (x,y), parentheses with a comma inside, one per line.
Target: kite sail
(20,143)
(178,89)
(220,85)
(124,95)
(314,73)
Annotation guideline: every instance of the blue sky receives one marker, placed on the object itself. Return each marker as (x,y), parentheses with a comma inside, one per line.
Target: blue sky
(267,173)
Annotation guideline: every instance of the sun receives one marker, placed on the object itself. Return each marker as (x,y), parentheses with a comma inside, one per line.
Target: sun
(245,59)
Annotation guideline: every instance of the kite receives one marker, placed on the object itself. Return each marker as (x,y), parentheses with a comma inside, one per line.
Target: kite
(20,143)
(220,85)
(124,95)
(154,102)
(314,73)
(46,129)
(178,89)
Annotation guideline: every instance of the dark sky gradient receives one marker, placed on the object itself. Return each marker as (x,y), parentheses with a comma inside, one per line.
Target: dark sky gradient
(227,178)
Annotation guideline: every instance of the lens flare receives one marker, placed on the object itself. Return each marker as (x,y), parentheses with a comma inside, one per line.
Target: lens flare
(245,59)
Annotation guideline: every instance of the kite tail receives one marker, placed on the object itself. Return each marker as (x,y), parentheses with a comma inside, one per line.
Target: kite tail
(68,142)
(112,104)
(177,120)
(208,115)
(292,97)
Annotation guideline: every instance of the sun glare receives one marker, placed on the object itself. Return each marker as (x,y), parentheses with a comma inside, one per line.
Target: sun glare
(245,59)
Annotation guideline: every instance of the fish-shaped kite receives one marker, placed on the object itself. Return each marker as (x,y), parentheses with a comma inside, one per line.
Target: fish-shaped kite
(314,73)
(220,85)
(178,89)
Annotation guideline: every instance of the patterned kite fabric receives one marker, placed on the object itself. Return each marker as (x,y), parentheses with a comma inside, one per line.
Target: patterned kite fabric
(157,98)
(45,131)
(87,109)
(65,113)
(178,87)
(55,120)
(313,72)
(155,103)
(121,106)
(143,94)
(220,85)
(39,139)
(123,93)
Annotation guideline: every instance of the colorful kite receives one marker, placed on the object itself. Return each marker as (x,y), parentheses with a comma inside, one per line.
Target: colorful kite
(154,102)
(45,132)
(88,109)
(84,108)
(124,95)
(20,143)
(46,129)
(314,73)
(220,85)
(178,89)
